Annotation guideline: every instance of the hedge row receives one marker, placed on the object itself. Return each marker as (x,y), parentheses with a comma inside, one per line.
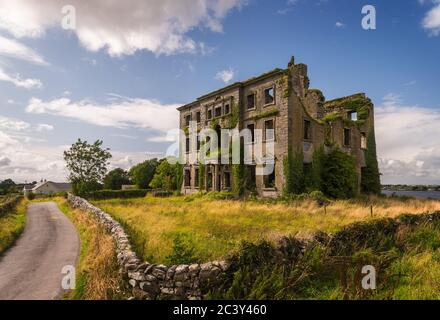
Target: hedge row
(125,194)
(9,205)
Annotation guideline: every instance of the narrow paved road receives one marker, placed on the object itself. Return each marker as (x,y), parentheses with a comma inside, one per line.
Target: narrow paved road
(32,268)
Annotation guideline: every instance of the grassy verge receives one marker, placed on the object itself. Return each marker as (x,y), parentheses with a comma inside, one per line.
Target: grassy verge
(12,225)
(98,275)
(208,228)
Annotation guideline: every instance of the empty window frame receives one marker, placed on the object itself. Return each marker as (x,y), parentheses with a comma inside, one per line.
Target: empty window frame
(196,177)
(363,140)
(198,116)
(187,144)
(227,180)
(187,178)
(251,128)
(307,130)
(347,137)
(269,180)
(218,112)
(187,120)
(269,130)
(209,114)
(352,115)
(250,101)
(227,108)
(209,181)
(269,96)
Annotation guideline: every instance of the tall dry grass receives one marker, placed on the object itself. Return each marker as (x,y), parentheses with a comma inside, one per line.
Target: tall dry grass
(216,227)
(98,275)
(12,225)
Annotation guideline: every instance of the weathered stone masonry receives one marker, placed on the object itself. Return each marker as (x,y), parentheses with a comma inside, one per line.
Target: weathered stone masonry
(302,120)
(150,280)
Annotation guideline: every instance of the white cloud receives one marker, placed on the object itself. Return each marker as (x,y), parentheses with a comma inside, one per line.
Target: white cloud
(407,141)
(44,127)
(119,27)
(225,75)
(20,126)
(19,82)
(13,124)
(288,7)
(431,21)
(17,50)
(339,24)
(119,112)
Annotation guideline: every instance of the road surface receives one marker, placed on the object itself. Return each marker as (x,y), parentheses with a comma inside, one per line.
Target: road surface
(32,268)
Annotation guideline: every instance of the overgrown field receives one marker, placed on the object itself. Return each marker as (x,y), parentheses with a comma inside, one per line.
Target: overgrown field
(12,224)
(403,256)
(203,228)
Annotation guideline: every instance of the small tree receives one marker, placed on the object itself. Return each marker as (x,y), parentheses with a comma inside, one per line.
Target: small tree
(168,176)
(87,165)
(142,173)
(115,179)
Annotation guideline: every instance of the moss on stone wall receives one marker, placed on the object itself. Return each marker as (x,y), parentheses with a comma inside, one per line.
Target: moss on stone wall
(358,103)
(370,180)
(268,113)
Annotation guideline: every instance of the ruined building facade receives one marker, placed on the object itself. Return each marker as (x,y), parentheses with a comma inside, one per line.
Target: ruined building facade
(301,118)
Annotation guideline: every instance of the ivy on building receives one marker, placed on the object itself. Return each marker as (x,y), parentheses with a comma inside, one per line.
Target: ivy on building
(370,178)
(339,176)
(293,173)
(333,173)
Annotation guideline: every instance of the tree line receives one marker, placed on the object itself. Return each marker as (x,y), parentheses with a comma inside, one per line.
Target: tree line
(88,163)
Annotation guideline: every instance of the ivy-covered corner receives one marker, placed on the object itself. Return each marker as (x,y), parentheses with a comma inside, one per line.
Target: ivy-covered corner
(370,178)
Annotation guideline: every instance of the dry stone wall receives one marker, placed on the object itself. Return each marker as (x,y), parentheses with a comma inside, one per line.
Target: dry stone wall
(148,280)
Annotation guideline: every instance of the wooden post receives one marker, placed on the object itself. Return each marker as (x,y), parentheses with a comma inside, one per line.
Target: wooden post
(371,210)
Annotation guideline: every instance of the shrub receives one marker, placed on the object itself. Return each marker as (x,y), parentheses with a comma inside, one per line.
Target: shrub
(182,251)
(116,194)
(339,176)
(9,205)
(30,196)
(168,176)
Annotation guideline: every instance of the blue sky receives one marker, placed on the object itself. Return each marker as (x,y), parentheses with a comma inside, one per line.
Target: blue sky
(119,75)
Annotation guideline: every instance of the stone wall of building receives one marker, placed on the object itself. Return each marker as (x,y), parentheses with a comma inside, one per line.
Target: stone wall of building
(150,281)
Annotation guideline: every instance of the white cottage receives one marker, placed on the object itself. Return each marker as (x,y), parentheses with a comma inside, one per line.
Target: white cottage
(49,187)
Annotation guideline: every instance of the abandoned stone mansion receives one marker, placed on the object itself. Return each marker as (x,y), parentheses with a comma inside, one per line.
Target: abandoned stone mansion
(299,118)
